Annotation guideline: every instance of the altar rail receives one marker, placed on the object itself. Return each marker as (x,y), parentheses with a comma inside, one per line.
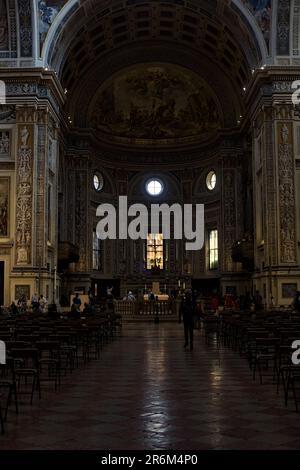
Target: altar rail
(146,309)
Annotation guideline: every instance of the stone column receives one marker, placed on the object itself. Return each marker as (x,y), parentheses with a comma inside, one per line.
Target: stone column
(286,192)
(41,194)
(229,214)
(274,171)
(24,186)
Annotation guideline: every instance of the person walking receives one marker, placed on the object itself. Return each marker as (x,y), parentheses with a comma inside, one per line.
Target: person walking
(187,312)
(43,302)
(35,303)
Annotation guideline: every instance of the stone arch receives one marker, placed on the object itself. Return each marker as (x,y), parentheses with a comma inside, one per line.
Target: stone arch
(73,6)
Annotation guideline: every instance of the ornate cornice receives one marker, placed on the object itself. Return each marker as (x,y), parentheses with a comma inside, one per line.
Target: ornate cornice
(33,85)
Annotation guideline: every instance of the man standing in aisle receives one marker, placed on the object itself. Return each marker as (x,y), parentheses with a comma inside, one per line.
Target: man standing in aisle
(187,312)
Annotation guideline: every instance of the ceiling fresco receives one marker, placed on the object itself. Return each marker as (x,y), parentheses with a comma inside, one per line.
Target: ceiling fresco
(156,102)
(47,10)
(262,11)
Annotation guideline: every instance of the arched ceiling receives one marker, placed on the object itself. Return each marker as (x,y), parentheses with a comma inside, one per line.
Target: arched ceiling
(212,28)
(96,39)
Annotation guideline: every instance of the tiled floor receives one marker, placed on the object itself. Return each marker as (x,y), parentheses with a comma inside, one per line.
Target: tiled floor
(147,392)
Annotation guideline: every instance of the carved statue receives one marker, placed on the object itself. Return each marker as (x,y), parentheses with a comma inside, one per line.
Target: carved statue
(285,134)
(24,137)
(4,143)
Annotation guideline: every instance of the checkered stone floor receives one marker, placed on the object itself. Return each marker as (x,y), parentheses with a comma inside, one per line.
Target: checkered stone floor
(147,392)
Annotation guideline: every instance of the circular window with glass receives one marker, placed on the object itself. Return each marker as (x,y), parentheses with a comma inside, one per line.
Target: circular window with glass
(154,187)
(211,180)
(98,182)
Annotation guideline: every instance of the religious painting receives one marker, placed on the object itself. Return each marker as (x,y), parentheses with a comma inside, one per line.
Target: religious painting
(156,102)
(22,291)
(262,11)
(4,144)
(48,10)
(4,207)
(289,291)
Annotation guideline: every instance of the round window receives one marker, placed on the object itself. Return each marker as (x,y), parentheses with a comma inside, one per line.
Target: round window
(98,182)
(211,180)
(154,187)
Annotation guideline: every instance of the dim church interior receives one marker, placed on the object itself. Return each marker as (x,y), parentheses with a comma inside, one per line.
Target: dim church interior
(103,99)
(181,101)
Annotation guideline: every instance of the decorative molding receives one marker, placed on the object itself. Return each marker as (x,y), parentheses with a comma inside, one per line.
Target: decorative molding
(296,28)
(283,27)
(81,178)
(4,36)
(269,179)
(7,112)
(5,144)
(282,86)
(4,207)
(41,186)
(229,216)
(25,22)
(24,198)
(15,89)
(4,251)
(286,193)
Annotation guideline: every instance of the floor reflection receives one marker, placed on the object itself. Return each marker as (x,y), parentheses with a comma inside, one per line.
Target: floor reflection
(147,392)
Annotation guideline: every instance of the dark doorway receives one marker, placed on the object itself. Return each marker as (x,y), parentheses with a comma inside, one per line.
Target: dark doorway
(206,287)
(1,283)
(99,287)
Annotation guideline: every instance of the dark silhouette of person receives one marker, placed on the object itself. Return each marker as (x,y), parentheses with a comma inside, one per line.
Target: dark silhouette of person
(296,302)
(75,310)
(258,301)
(77,300)
(247,301)
(187,312)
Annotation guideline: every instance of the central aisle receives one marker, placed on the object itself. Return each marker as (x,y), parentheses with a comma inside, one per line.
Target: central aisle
(147,392)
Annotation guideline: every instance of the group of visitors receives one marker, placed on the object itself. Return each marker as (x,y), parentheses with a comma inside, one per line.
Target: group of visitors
(234,302)
(38,305)
(76,307)
(130,297)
